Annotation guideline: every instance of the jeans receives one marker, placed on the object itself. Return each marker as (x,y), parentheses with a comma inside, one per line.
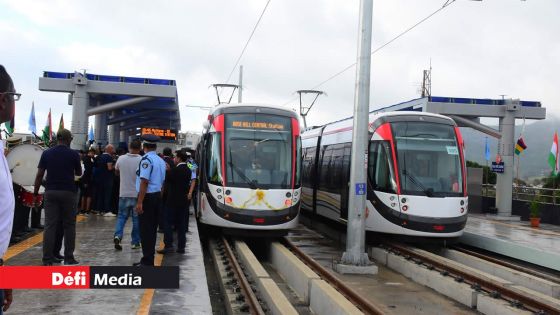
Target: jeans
(126,209)
(1,300)
(59,206)
(148,227)
(175,217)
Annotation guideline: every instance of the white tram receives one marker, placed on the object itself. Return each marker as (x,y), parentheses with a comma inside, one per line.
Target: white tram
(250,169)
(416,174)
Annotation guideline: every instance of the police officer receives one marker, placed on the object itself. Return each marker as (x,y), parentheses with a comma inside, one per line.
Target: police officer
(149,182)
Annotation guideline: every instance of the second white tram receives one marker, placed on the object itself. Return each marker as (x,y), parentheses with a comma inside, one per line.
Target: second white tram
(250,169)
(416,174)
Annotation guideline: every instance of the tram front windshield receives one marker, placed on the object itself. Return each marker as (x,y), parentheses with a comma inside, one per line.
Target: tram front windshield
(428,159)
(258,151)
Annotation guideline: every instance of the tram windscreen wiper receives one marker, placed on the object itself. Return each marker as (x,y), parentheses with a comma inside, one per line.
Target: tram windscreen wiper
(240,173)
(428,192)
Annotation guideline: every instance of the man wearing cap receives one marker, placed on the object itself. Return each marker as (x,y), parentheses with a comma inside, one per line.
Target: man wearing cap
(149,182)
(61,164)
(8,98)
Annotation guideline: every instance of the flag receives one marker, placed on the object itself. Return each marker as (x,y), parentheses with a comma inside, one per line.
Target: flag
(10,125)
(553,156)
(520,146)
(32,126)
(487,150)
(90,134)
(61,124)
(47,131)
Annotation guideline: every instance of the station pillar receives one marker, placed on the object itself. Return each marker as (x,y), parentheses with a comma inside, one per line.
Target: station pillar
(80,103)
(114,134)
(505,149)
(101,129)
(122,136)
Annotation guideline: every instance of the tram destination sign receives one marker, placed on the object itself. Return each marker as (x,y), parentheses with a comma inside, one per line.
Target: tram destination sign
(258,125)
(164,134)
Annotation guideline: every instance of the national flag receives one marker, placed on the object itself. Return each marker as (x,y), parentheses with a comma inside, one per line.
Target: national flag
(90,134)
(520,146)
(31,122)
(61,124)
(47,131)
(487,150)
(10,125)
(553,156)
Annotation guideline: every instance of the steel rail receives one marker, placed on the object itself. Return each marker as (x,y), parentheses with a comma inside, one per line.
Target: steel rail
(507,264)
(488,285)
(355,298)
(254,305)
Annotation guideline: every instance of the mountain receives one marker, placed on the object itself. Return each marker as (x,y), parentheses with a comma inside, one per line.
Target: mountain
(534,160)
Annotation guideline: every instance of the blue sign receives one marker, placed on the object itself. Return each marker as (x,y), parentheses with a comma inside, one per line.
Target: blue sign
(360,189)
(498,167)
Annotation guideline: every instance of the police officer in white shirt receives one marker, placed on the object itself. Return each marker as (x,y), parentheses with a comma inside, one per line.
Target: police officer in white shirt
(8,97)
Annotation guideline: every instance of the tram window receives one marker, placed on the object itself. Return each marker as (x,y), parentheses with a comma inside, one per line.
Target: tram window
(214,174)
(379,167)
(298,163)
(258,151)
(325,171)
(336,173)
(308,167)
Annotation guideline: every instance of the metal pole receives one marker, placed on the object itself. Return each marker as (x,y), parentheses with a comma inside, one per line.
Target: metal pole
(240,91)
(355,239)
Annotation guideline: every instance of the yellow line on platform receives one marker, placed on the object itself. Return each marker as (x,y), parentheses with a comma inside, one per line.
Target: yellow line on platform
(26,244)
(146,301)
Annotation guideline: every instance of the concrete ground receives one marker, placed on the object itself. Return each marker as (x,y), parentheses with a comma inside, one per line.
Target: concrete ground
(95,247)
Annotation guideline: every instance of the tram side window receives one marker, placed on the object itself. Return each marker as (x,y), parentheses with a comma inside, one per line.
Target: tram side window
(326,171)
(213,161)
(379,167)
(309,167)
(336,174)
(298,163)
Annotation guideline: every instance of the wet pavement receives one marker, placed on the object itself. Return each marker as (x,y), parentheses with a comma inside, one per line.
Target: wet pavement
(95,247)
(540,246)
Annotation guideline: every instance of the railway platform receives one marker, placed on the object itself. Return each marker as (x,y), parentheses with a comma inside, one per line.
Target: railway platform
(539,246)
(94,247)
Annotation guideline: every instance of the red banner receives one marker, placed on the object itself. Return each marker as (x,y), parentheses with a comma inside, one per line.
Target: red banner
(89,277)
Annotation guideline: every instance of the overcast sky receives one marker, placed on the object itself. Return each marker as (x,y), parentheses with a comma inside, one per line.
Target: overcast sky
(477,49)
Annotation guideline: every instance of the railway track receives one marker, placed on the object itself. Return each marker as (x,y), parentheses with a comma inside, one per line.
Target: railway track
(248,288)
(509,290)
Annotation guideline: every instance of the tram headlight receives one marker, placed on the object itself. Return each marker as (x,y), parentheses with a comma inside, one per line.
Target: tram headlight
(228,199)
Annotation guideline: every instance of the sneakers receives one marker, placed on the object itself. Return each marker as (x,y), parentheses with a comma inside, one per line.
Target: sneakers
(71,262)
(136,246)
(117,242)
(109,214)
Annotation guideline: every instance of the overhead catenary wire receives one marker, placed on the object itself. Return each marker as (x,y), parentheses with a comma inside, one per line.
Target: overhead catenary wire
(445,5)
(248,40)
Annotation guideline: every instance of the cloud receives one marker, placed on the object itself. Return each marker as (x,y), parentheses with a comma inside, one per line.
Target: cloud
(477,49)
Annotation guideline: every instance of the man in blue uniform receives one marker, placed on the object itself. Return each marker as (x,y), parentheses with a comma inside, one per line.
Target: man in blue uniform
(149,182)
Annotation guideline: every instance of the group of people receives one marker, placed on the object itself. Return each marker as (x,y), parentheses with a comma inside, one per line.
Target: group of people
(149,185)
(152,190)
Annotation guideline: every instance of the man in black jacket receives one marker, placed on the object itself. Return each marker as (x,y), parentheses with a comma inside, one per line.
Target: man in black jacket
(179,193)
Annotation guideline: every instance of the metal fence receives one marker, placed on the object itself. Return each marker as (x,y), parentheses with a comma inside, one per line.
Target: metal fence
(526,193)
